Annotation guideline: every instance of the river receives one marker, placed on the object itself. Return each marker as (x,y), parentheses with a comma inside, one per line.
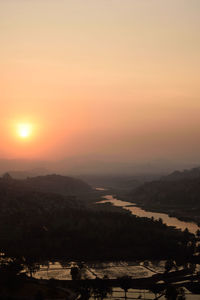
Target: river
(138,211)
(113,269)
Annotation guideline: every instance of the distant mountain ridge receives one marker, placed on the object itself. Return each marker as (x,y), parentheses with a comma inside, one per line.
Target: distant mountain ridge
(91,165)
(53,183)
(179,189)
(30,173)
(186,174)
(58,184)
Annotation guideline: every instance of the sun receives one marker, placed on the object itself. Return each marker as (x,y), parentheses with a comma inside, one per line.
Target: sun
(24,130)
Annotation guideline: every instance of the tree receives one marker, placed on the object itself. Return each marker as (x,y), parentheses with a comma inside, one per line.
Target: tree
(181,294)
(75,273)
(7,176)
(198,234)
(169,265)
(31,265)
(101,288)
(85,292)
(8,273)
(125,284)
(171,293)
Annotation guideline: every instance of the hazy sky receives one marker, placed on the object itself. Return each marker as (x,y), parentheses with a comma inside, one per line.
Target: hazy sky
(106,78)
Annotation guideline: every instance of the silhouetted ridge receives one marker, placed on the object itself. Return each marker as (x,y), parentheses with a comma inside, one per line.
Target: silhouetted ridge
(29,173)
(15,194)
(58,184)
(45,225)
(178,194)
(186,174)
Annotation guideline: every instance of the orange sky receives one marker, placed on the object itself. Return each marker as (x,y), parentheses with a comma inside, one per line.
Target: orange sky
(100,77)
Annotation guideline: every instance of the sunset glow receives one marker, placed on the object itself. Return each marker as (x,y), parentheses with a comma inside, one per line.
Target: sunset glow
(99,149)
(112,79)
(24,130)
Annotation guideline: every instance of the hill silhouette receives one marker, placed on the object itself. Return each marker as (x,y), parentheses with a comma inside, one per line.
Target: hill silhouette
(180,175)
(53,183)
(58,184)
(177,193)
(39,224)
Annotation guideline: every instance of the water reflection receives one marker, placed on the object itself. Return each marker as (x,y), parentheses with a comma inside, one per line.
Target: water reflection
(137,211)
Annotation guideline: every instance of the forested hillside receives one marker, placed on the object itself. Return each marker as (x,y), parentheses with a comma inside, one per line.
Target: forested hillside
(177,193)
(50,183)
(44,225)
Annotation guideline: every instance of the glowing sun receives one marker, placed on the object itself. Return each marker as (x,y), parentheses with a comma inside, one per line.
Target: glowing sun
(24,130)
